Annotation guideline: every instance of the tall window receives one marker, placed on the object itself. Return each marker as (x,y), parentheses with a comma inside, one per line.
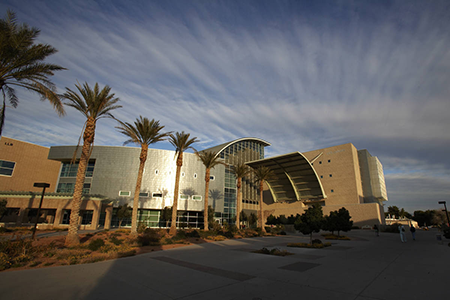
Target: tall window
(6,167)
(70,170)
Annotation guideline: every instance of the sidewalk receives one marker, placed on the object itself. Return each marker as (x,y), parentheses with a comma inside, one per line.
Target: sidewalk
(368,267)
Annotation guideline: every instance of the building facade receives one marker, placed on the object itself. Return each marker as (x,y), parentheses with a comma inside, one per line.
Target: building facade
(334,177)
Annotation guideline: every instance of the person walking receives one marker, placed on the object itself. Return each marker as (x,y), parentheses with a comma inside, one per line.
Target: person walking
(413,231)
(377,230)
(401,229)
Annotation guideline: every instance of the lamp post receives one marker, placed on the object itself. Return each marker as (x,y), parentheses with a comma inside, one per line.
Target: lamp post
(446,213)
(42,185)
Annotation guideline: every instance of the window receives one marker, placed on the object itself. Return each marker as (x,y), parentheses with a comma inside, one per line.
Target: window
(143,194)
(70,170)
(184,197)
(86,188)
(6,167)
(331,175)
(157,195)
(197,198)
(182,174)
(195,175)
(156,172)
(329,160)
(321,176)
(320,162)
(212,177)
(124,193)
(65,188)
(332,191)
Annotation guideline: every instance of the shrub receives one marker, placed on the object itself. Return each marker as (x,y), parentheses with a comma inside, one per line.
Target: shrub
(115,240)
(142,227)
(15,253)
(282,233)
(274,251)
(193,234)
(96,244)
(316,241)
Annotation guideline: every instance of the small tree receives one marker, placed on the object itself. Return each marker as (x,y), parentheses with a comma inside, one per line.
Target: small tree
(166,215)
(338,221)
(271,220)
(3,208)
(252,220)
(124,212)
(311,221)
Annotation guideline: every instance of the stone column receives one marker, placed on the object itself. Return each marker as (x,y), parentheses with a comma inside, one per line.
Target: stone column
(108,216)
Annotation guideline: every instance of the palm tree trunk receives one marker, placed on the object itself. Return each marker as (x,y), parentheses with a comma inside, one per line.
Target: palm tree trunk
(205,214)
(143,159)
(88,138)
(173,227)
(238,203)
(261,214)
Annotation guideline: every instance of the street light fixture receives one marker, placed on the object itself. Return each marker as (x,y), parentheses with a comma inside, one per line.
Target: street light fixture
(446,213)
(42,185)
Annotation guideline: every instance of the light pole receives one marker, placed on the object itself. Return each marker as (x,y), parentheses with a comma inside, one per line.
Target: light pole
(42,185)
(446,213)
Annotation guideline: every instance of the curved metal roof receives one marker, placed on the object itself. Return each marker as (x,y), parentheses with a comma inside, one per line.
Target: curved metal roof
(295,179)
(221,147)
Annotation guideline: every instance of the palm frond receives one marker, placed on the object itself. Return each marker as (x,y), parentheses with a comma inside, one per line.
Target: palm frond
(143,132)
(209,159)
(182,142)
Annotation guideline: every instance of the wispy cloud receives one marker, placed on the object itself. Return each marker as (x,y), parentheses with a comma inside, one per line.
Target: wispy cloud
(300,75)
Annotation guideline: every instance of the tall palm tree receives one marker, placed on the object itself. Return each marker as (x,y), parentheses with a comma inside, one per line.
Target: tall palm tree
(94,104)
(181,142)
(144,132)
(210,160)
(262,173)
(240,170)
(22,65)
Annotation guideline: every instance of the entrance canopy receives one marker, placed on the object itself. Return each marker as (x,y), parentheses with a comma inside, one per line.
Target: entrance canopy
(295,179)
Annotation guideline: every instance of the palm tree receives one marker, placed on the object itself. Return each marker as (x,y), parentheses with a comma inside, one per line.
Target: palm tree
(262,173)
(144,132)
(240,170)
(181,142)
(94,105)
(210,160)
(22,64)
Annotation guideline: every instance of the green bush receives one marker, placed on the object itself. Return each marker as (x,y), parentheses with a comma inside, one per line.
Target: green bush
(96,244)
(316,241)
(4,230)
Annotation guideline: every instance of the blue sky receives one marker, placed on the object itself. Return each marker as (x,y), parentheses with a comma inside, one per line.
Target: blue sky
(301,75)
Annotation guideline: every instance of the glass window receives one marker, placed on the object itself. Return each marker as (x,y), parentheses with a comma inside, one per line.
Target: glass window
(329,160)
(212,177)
(182,174)
(124,193)
(332,191)
(86,188)
(157,195)
(331,175)
(6,167)
(195,175)
(320,162)
(70,170)
(197,198)
(321,176)
(156,172)
(184,197)
(143,194)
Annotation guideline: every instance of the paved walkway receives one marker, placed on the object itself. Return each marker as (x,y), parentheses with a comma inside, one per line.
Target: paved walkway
(367,267)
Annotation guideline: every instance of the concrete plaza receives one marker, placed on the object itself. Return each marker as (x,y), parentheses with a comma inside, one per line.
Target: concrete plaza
(367,267)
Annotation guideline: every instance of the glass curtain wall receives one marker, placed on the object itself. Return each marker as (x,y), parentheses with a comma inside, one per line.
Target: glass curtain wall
(242,151)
